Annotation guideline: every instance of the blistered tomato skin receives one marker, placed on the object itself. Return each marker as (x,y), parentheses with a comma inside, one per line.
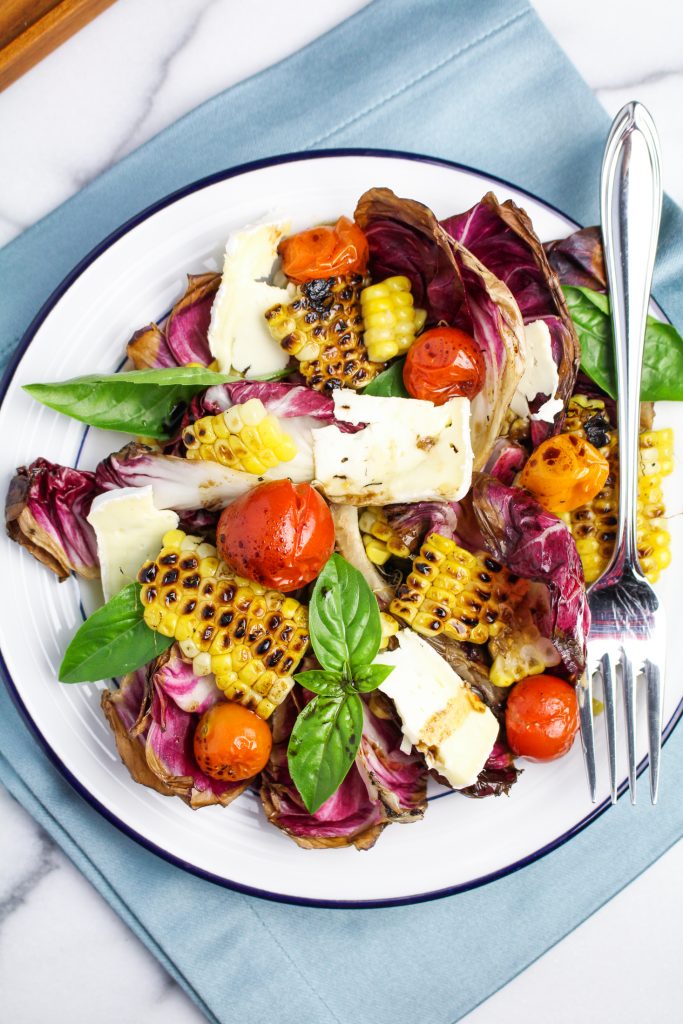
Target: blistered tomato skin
(278,534)
(564,473)
(444,363)
(231,743)
(324,252)
(541,718)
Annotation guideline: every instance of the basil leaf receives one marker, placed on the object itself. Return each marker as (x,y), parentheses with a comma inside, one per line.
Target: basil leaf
(662,378)
(344,619)
(370,677)
(136,402)
(113,641)
(389,383)
(323,746)
(319,681)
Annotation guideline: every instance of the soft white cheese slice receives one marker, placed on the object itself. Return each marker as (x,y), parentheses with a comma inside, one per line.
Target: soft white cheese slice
(239,338)
(440,714)
(409,451)
(540,375)
(128,528)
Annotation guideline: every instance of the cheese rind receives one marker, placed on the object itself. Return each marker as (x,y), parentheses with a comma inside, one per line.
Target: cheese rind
(239,338)
(129,529)
(440,715)
(408,451)
(540,375)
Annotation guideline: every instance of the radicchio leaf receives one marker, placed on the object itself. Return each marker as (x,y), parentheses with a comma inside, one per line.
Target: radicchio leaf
(148,349)
(127,710)
(383,785)
(578,259)
(506,460)
(175,676)
(454,286)
(497,776)
(183,338)
(538,546)
(349,544)
(46,512)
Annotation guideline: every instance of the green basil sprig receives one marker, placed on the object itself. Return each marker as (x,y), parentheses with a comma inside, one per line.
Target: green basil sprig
(113,641)
(662,378)
(136,402)
(389,383)
(345,633)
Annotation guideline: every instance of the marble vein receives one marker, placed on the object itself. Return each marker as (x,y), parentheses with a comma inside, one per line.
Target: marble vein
(48,862)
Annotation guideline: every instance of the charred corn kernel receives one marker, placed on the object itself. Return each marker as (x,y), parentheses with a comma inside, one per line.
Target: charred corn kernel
(380,540)
(390,320)
(594,525)
(389,629)
(323,329)
(520,650)
(243,437)
(464,596)
(252,639)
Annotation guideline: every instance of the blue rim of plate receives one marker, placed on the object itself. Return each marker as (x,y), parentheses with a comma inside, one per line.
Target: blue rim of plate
(101,808)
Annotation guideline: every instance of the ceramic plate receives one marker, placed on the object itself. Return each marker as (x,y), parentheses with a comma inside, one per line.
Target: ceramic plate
(131,279)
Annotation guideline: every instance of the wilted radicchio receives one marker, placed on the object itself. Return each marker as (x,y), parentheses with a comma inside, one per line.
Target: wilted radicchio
(384,785)
(414,522)
(154,734)
(578,259)
(506,460)
(537,546)
(454,286)
(497,776)
(45,512)
(183,338)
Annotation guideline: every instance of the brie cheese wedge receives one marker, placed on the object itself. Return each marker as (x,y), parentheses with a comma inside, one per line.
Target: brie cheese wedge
(129,529)
(239,338)
(540,376)
(440,715)
(409,450)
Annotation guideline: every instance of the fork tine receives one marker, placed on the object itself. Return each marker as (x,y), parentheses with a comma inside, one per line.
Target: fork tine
(629,684)
(584,693)
(654,723)
(609,675)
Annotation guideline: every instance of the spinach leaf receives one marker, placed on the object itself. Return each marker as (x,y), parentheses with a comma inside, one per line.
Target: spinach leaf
(344,619)
(323,746)
(662,378)
(113,641)
(389,383)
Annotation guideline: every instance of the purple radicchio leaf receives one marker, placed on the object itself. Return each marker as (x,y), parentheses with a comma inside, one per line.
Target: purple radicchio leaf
(398,778)
(497,776)
(578,259)
(175,676)
(536,545)
(414,522)
(45,512)
(183,338)
(506,460)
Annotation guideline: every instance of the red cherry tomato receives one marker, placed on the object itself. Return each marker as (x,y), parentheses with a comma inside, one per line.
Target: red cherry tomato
(231,742)
(444,363)
(278,534)
(324,252)
(541,718)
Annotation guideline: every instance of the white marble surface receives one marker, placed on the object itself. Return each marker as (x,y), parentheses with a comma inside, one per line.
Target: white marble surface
(134,70)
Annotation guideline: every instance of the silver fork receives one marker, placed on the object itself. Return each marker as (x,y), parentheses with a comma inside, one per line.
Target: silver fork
(627,628)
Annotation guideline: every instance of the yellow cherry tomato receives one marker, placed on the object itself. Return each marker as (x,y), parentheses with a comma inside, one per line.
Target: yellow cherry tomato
(564,473)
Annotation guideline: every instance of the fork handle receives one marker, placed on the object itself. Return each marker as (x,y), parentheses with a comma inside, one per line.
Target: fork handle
(630,208)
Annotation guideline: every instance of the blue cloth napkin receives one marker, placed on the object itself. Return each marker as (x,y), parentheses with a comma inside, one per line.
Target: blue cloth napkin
(479,83)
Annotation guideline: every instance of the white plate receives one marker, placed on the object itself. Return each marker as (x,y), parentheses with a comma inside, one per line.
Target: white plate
(130,280)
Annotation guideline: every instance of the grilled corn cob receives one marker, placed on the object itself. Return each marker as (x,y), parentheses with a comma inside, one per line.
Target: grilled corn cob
(251,638)
(391,322)
(243,437)
(594,525)
(520,651)
(380,540)
(323,328)
(450,591)
(389,629)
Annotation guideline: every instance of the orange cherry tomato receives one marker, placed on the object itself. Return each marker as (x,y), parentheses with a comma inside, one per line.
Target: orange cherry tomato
(231,742)
(324,252)
(278,534)
(444,363)
(565,472)
(541,718)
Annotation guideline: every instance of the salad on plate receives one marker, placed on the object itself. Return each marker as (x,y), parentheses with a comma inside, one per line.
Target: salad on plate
(374,467)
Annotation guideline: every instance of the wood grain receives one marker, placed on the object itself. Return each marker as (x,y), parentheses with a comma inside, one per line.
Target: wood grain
(30,29)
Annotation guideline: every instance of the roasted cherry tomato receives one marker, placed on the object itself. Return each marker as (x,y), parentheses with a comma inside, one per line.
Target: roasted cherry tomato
(541,718)
(279,535)
(444,363)
(565,472)
(231,742)
(324,252)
